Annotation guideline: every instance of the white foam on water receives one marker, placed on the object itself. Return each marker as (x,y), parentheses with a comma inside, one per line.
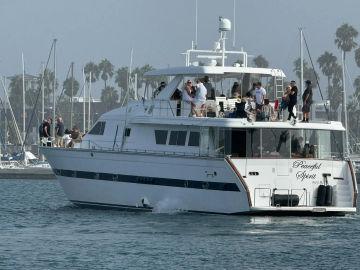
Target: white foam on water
(167,206)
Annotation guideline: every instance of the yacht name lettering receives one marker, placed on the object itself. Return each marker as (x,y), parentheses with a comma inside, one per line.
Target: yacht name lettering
(302,164)
(304,175)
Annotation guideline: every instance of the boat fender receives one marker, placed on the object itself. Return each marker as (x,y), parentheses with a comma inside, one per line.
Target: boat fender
(321,194)
(285,200)
(328,195)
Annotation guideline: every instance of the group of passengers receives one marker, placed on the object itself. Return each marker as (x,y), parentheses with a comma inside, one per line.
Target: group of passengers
(196,95)
(301,150)
(63,137)
(289,101)
(254,105)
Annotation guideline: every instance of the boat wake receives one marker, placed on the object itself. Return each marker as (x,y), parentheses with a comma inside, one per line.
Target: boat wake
(167,206)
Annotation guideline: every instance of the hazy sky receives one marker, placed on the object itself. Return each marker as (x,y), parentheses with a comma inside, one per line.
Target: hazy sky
(159,30)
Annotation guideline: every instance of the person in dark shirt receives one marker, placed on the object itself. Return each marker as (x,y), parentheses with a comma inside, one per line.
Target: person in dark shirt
(210,95)
(292,100)
(47,128)
(307,101)
(159,89)
(45,132)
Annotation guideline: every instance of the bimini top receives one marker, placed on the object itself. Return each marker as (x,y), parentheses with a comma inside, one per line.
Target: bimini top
(214,70)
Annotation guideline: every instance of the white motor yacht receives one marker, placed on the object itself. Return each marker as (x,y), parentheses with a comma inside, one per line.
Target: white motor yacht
(162,150)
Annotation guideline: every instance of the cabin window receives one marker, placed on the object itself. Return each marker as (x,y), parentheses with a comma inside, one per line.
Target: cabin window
(337,144)
(194,138)
(177,138)
(127,132)
(98,129)
(161,136)
(275,143)
(253,146)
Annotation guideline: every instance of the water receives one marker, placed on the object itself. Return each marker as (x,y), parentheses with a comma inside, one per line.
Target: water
(40,229)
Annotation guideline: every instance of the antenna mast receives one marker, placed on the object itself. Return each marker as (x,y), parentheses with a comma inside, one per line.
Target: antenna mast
(234,20)
(196,23)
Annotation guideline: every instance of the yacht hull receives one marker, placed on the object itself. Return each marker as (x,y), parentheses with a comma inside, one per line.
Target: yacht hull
(144,181)
(141,181)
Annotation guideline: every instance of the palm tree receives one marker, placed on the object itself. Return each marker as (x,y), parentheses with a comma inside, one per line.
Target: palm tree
(48,83)
(121,79)
(357,88)
(327,61)
(261,62)
(345,36)
(15,94)
(68,84)
(94,69)
(357,57)
(106,70)
(109,96)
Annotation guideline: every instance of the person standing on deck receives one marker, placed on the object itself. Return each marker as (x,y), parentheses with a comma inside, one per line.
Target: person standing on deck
(59,132)
(307,101)
(210,89)
(292,100)
(260,94)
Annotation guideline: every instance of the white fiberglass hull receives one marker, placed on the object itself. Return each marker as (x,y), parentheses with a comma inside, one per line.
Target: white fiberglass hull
(164,183)
(147,181)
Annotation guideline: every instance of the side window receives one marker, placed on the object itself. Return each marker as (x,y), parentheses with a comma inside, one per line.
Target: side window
(194,138)
(161,136)
(127,132)
(177,138)
(98,129)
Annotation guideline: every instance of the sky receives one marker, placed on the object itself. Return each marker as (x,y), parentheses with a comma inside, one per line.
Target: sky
(159,30)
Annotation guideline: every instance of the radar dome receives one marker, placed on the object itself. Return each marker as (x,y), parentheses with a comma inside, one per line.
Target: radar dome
(224,24)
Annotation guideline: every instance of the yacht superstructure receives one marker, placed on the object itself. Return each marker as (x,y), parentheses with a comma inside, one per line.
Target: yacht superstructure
(154,152)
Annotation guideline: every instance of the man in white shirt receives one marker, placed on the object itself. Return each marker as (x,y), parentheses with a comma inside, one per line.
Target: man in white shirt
(260,94)
(200,98)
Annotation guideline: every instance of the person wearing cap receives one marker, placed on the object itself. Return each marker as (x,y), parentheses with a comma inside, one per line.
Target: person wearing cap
(307,101)
(292,100)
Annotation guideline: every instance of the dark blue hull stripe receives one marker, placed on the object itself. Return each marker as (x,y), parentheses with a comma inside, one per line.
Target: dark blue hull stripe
(148,180)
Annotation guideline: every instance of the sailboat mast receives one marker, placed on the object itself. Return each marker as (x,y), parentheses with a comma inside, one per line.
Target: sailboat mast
(301,62)
(89,124)
(43,94)
(54,90)
(72,95)
(347,152)
(23,97)
(84,103)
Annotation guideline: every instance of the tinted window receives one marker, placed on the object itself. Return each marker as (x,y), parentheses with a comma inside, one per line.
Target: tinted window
(276,143)
(253,143)
(161,136)
(194,138)
(173,137)
(127,132)
(98,129)
(177,138)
